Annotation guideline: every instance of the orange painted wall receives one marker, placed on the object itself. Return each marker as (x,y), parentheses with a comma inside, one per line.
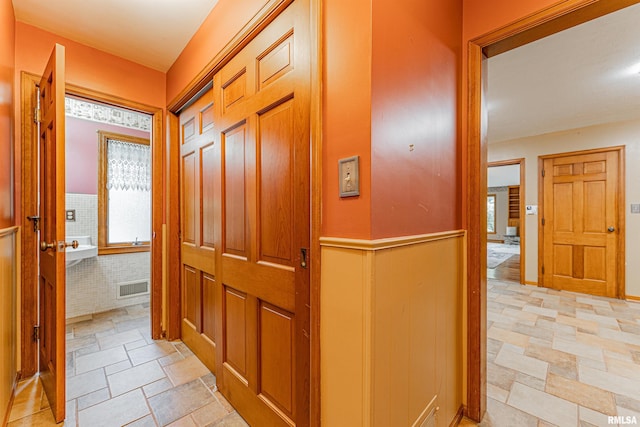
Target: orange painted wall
(7,64)
(223,22)
(481,17)
(414,117)
(346,114)
(86,67)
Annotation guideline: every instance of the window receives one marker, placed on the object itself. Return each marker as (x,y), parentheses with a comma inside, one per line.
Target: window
(491,213)
(124,194)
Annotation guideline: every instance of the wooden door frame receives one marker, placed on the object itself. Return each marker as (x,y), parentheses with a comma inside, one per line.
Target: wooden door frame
(263,18)
(620,150)
(28,203)
(553,19)
(521,192)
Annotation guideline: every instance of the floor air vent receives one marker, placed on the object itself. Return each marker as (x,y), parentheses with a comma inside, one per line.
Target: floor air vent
(133,289)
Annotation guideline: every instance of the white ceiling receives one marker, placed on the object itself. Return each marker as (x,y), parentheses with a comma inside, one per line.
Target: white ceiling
(502,176)
(149,32)
(586,75)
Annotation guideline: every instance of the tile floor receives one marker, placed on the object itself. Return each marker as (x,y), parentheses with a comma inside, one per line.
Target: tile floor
(554,358)
(117,375)
(560,358)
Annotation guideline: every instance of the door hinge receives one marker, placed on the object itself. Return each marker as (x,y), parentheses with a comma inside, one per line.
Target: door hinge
(543,173)
(543,221)
(543,269)
(36,332)
(36,115)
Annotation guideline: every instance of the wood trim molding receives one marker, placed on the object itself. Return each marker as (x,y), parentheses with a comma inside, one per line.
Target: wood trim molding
(29,272)
(632,298)
(456,420)
(14,388)
(9,231)
(260,20)
(389,243)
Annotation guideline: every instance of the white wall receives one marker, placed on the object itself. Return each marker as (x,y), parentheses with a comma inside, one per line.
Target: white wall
(92,284)
(615,134)
(502,211)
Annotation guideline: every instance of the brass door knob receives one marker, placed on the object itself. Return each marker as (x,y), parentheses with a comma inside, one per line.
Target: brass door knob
(611,229)
(44,246)
(74,244)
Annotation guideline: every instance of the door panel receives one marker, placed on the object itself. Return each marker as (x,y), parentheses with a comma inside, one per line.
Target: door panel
(262,117)
(581,197)
(199,178)
(52,232)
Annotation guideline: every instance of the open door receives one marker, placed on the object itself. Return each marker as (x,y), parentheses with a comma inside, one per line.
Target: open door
(52,233)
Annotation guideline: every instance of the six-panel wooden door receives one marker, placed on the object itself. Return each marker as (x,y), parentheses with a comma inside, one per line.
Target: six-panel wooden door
(245,208)
(199,178)
(581,226)
(52,271)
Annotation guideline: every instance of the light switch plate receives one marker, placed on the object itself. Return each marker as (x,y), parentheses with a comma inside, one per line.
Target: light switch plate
(635,208)
(349,176)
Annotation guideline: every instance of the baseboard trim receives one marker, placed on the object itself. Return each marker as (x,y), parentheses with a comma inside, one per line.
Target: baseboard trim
(5,421)
(456,420)
(631,298)
(528,282)
(392,242)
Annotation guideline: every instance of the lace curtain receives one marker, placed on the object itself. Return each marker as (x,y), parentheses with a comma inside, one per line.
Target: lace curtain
(129,166)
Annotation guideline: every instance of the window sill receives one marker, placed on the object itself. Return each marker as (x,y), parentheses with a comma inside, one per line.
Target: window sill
(125,249)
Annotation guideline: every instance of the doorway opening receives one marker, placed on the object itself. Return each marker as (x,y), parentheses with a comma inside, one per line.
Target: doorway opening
(532,28)
(505,220)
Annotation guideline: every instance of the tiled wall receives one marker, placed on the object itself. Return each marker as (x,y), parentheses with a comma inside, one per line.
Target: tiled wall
(92,284)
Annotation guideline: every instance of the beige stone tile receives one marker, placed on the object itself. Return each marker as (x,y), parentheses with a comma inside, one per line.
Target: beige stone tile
(528,380)
(85,383)
(583,394)
(587,325)
(522,316)
(117,367)
(541,311)
(607,381)
(180,401)
(119,339)
(624,369)
(223,401)
(231,420)
(504,299)
(183,422)
(591,363)
(115,412)
(520,363)
(100,359)
(624,337)
(497,393)
(500,376)
(597,341)
(543,405)
(71,413)
(135,377)
(508,336)
(627,402)
(603,321)
(157,387)
(93,398)
(136,344)
(186,370)
(209,414)
(171,359)
(147,421)
(593,417)
(500,414)
(151,352)
(577,348)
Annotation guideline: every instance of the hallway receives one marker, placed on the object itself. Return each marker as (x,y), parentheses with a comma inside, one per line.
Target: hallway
(117,375)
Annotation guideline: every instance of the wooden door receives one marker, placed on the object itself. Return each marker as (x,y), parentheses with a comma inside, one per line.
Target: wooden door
(199,180)
(581,223)
(261,106)
(52,232)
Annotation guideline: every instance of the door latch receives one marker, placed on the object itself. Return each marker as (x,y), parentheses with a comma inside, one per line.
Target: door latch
(36,332)
(303,257)
(36,222)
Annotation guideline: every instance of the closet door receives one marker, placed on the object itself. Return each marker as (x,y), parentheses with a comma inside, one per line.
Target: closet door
(261,119)
(199,190)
